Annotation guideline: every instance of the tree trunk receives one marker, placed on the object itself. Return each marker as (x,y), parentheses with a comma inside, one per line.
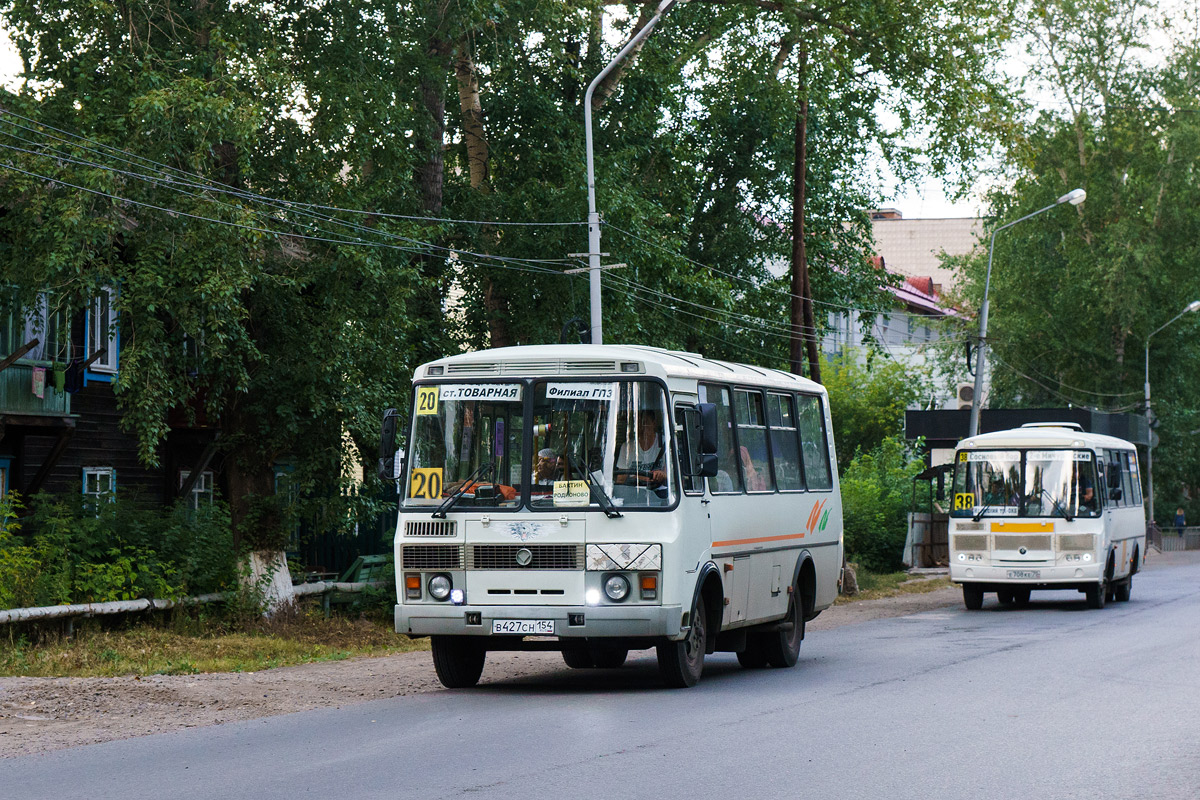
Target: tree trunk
(803,323)
(472,118)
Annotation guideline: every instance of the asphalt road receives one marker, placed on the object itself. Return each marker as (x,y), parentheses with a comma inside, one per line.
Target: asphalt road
(1051,701)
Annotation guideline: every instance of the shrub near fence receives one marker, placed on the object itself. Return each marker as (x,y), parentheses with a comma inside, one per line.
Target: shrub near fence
(77,550)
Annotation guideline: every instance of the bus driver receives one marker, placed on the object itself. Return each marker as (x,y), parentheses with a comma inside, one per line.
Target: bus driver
(645,463)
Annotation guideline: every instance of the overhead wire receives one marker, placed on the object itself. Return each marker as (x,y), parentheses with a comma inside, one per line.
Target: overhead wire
(225,189)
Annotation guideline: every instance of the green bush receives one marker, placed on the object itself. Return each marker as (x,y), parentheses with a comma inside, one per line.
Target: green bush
(876,493)
(74,550)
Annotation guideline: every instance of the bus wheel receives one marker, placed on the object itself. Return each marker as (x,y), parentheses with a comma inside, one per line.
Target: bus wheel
(458,661)
(753,657)
(1096,594)
(680,663)
(609,657)
(1123,589)
(578,657)
(782,649)
(1021,596)
(1006,597)
(972,597)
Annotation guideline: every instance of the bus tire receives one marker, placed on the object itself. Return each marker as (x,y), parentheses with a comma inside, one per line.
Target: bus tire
(1122,590)
(753,657)
(972,597)
(1096,594)
(458,660)
(782,648)
(609,657)
(680,663)
(578,657)
(1021,596)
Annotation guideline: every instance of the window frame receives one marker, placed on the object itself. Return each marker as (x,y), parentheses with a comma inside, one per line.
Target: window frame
(826,457)
(97,472)
(108,365)
(206,477)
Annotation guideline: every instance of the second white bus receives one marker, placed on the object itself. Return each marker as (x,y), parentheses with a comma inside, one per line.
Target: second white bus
(601,499)
(1046,506)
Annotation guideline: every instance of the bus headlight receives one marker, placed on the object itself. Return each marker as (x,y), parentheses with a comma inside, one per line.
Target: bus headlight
(439,587)
(616,587)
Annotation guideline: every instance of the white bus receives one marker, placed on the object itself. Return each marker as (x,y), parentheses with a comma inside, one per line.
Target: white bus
(601,499)
(1046,506)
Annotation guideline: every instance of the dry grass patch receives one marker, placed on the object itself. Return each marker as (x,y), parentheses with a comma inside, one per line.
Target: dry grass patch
(876,586)
(192,645)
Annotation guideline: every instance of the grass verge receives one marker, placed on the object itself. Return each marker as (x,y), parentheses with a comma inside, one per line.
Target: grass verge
(192,645)
(878,585)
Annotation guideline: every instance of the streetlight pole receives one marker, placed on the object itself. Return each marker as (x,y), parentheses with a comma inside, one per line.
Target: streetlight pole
(1074,197)
(597,325)
(1192,306)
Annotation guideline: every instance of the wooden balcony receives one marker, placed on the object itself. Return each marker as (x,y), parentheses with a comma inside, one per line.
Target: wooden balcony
(17,397)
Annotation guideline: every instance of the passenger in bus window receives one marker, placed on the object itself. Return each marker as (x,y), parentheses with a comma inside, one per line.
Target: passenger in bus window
(642,459)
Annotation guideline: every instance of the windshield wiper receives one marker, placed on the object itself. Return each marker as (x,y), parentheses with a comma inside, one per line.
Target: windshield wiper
(1057,505)
(983,510)
(448,503)
(602,499)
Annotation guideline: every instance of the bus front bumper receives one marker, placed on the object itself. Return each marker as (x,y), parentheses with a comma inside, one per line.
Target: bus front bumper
(608,621)
(1032,574)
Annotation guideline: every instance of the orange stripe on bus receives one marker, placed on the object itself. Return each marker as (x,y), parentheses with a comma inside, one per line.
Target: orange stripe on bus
(730,542)
(1022,527)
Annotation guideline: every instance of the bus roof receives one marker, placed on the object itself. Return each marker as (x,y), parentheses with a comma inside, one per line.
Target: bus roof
(1043,435)
(590,360)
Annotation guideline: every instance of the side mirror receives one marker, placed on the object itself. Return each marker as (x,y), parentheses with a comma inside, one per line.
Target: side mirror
(387,447)
(1114,475)
(708,466)
(708,434)
(1114,493)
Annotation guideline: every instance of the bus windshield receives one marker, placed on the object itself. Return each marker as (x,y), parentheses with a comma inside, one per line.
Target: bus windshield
(1060,483)
(598,445)
(466,437)
(1055,483)
(605,437)
(987,482)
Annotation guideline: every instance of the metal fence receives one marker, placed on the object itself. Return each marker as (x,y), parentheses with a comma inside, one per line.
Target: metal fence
(1171,540)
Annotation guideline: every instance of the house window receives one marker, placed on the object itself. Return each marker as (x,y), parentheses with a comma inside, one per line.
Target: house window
(102,332)
(99,483)
(5,463)
(41,321)
(202,490)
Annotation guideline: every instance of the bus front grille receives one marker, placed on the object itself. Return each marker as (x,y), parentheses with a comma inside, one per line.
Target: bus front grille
(441,527)
(1031,541)
(542,556)
(431,556)
(1085,542)
(971,541)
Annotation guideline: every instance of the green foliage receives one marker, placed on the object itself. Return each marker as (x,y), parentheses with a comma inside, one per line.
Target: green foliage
(72,551)
(876,494)
(867,402)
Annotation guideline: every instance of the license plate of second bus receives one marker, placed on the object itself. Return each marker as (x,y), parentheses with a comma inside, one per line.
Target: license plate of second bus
(1024,573)
(523,626)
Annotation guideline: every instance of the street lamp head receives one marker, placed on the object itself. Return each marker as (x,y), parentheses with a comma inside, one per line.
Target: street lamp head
(1193,306)
(1074,197)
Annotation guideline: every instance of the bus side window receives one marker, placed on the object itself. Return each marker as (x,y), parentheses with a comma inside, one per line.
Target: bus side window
(1129,479)
(785,446)
(687,438)
(729,476)
(815,447)
(752,440)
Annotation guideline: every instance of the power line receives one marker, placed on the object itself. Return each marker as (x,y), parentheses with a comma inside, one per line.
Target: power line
(215,186)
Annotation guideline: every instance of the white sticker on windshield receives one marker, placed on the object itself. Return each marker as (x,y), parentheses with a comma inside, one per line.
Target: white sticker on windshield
(490,392)
(580,391)
(994,455)
(1058,455)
